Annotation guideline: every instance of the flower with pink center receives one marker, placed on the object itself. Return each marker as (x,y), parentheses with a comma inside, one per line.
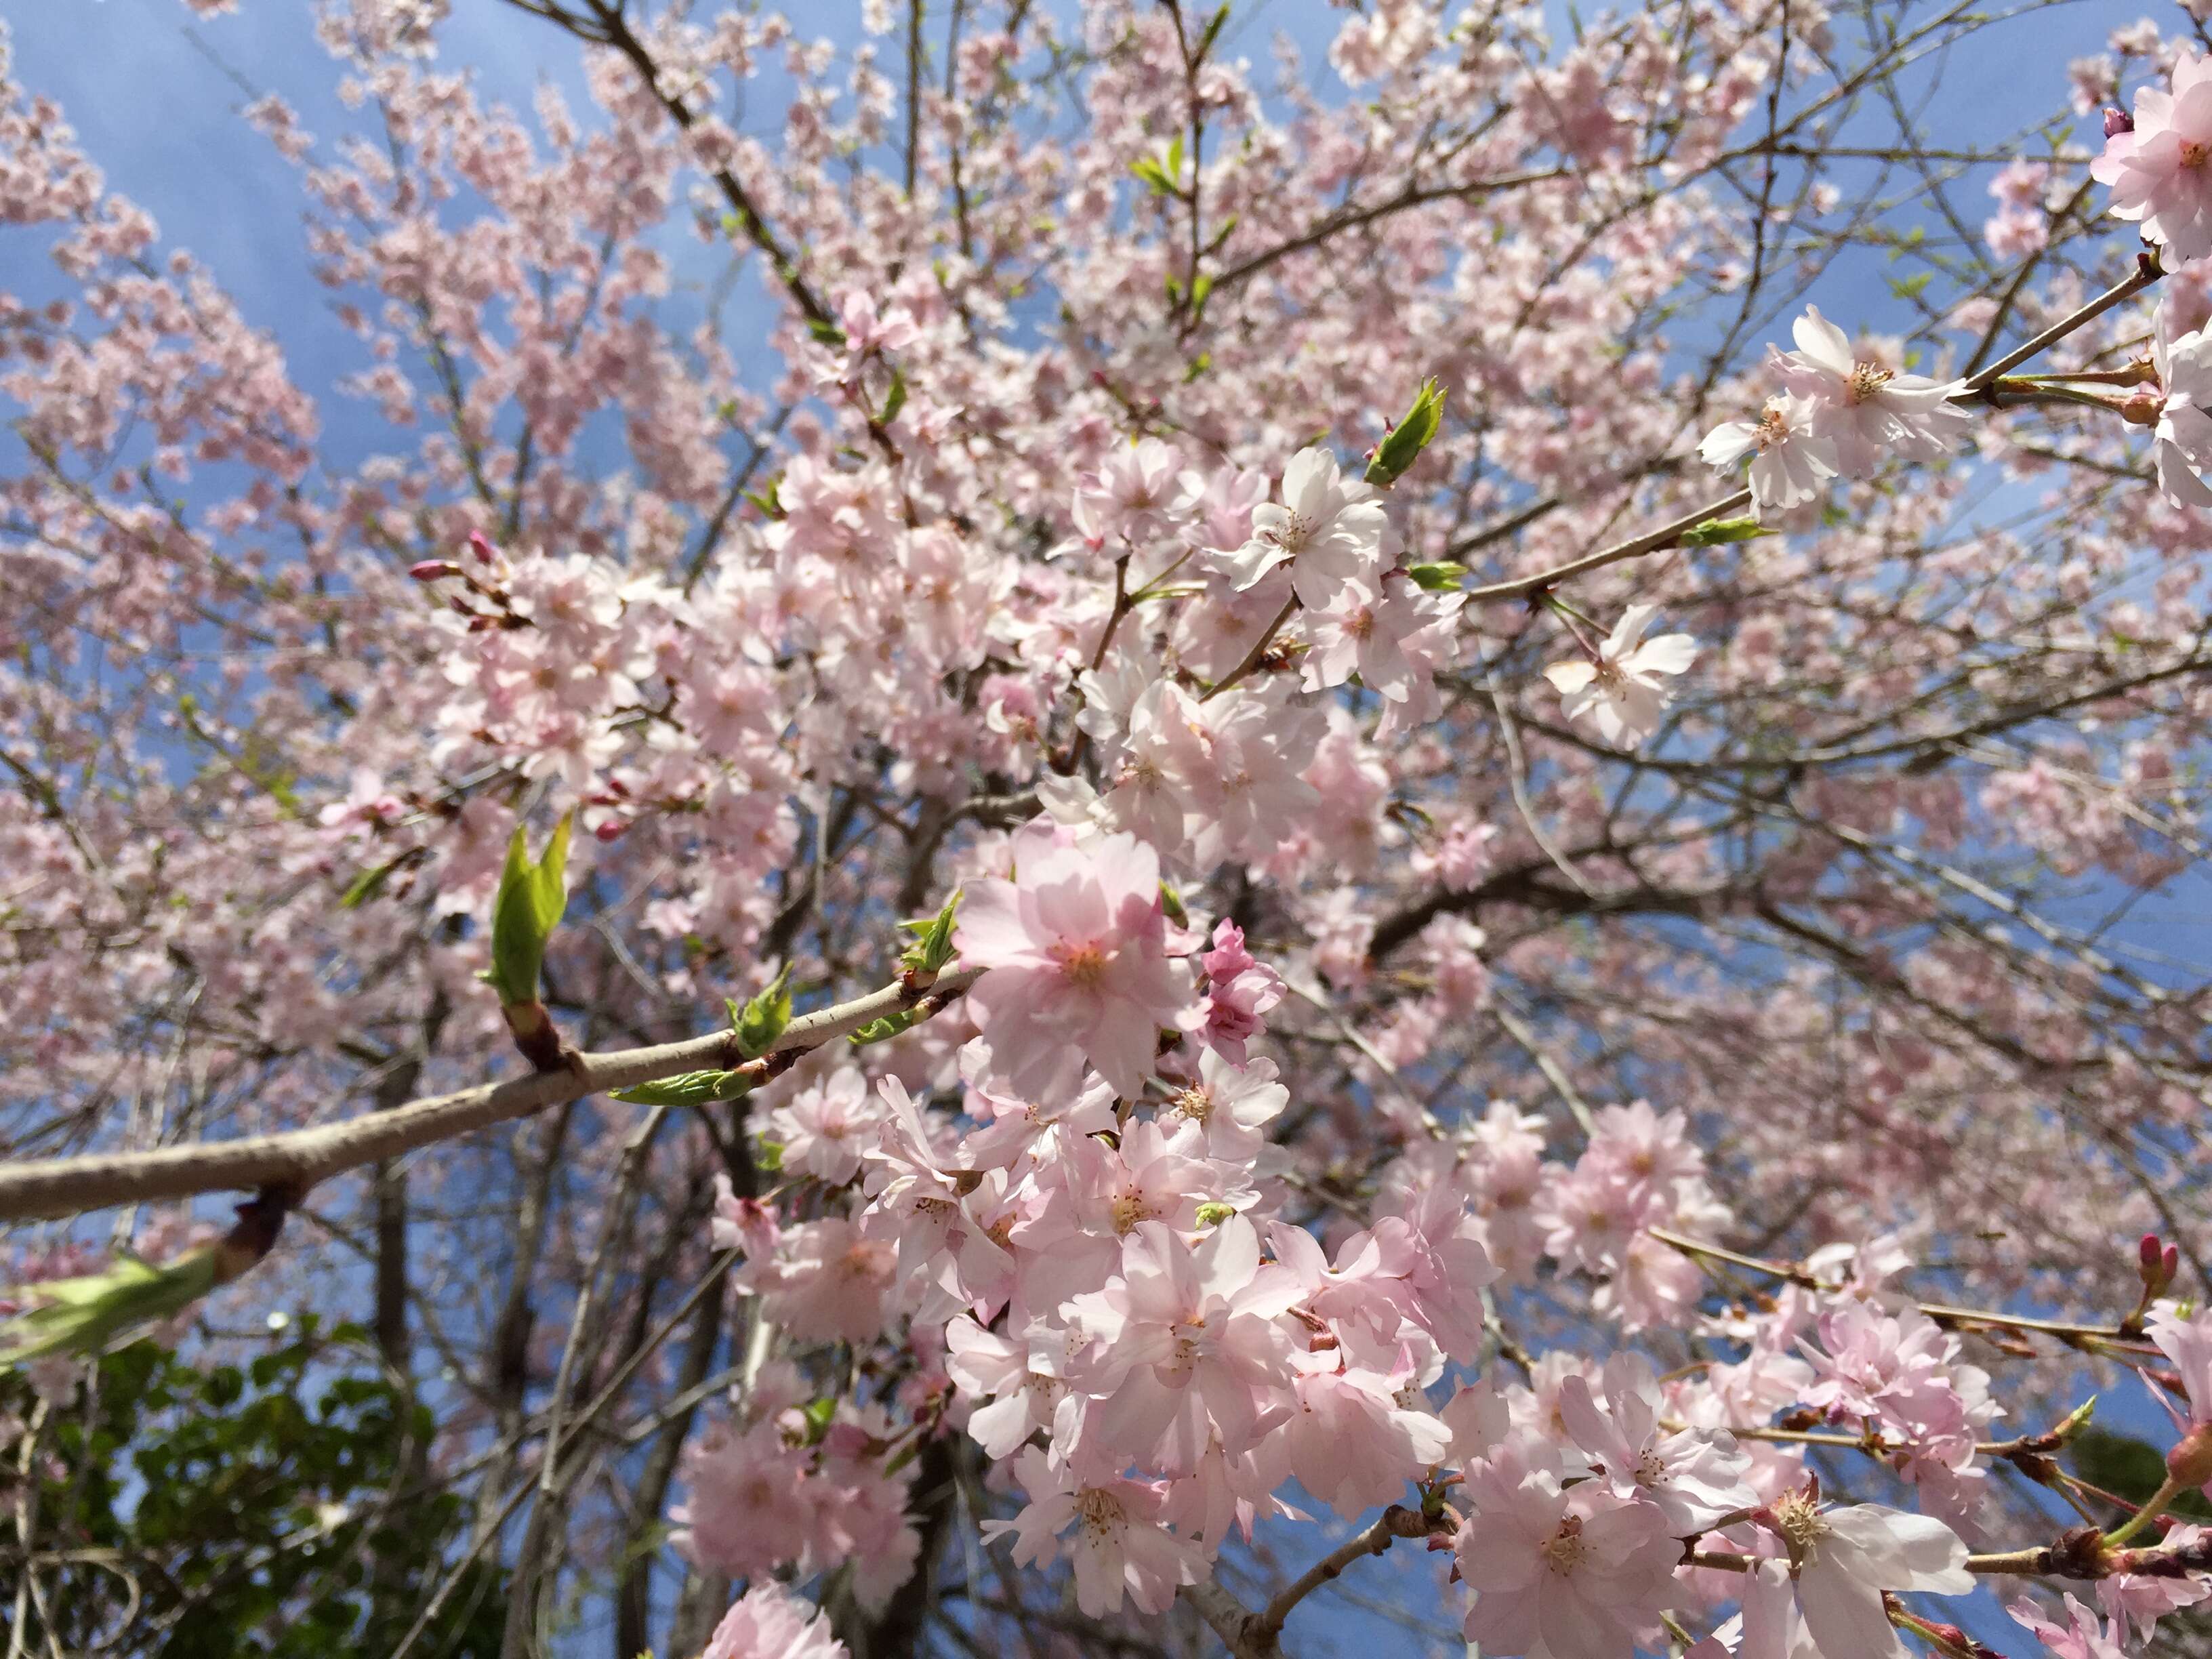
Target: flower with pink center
(826,1283)
(1329,528)
(868,329)
(2159,169)
(1693,1478)
(1557,1572)
(1119,1545)
(748,1505)
(1789,466)
(824,1128)
(1139,492)
(1075,950)
(1899,1376)
(1186,1345)
(1229,1108)
(1864,409)
(1364,632)
(1618,691)
(770,1622)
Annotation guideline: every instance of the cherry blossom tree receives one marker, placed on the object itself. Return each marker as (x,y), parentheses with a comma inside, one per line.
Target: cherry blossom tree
(1239,839)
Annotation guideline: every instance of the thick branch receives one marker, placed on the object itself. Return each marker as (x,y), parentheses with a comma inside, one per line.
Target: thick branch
(301,1158)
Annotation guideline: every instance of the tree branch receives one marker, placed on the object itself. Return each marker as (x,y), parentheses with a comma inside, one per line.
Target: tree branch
(301,1158)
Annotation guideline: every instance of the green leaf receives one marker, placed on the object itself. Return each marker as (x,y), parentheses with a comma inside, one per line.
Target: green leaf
(1175,160)
(367,885)
(933,948)
(876,1030)
(769,502)
(819,1414)
(1408,438)
(895,399)
(687,1088)
(761,1020)
(1213,32)
(1439,578)
(86,1315)
(1172,904)
(1713,532)
(1201,286)
(529,905)
(1148,169)
(826,331)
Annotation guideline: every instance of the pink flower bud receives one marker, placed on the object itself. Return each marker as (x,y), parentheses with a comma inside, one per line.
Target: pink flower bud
(2189,1462)
(610,830)
(2169,1266)
(2147,1254)
(431,570)
(480,544)
(2117,121)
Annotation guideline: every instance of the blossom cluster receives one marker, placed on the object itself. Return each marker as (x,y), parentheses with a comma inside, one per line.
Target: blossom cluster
(1405,918)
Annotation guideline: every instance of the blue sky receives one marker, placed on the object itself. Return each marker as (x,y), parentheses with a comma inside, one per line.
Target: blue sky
(154,95)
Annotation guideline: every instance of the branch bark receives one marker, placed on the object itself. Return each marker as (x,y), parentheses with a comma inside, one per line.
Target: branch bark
(301,1158)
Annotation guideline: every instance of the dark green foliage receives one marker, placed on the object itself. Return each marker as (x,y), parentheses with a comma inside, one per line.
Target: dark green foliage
(281,1508)
(2130,1469)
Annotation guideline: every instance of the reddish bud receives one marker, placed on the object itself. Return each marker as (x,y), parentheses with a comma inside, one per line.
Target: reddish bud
(480,544)
(2169,1266)
(431,570)
(2117,121)
(2143,408)
(2147,1254)
(610,830)
(2189,1462)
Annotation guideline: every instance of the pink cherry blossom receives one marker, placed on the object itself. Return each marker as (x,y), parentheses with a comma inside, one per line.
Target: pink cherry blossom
(1618,692)
(1791,464)
(1119,1547)
(1841,1561)
(826,1126)
(1864,409)
(1330,530)
(2079,1637)
(1573,1572)
(1187,1344)
(1693,1480)
(768,1622)
(2155,167)
(1076,961)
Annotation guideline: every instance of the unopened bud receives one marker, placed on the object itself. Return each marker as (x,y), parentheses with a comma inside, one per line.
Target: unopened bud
(2076,1420)
(2189,1462)
(2147,1254)
(2117,121)
(2169,1266)
(431,570)
(480,544)
(2143,408)
(612,829)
